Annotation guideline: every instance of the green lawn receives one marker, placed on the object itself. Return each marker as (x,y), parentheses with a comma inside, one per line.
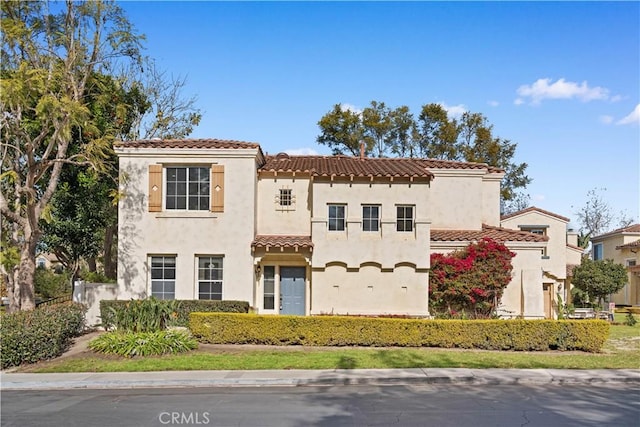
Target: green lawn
(622,350)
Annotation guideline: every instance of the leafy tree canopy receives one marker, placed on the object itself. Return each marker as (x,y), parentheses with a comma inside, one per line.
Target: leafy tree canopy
(599,278)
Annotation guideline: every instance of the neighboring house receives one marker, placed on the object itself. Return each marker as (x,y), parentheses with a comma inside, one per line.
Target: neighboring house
(560,256)
(216,219)
(47,260)
(623,247)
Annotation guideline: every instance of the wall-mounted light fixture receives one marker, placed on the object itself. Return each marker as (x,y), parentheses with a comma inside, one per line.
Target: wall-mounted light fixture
(258,269)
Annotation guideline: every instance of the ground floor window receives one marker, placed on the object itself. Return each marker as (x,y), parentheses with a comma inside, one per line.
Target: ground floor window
(210,277)
(163,277)
(269,287)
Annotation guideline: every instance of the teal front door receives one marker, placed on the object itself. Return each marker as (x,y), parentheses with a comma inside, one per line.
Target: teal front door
(292,290)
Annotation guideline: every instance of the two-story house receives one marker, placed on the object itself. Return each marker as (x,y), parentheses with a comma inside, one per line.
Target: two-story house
(307,235)
(623,247)
(559,256)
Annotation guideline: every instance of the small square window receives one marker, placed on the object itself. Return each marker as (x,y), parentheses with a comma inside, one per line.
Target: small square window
(285,197)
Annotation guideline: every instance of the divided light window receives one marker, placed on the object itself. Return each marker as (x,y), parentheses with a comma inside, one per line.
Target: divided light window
(285,197)
(404,218)
(163,277)
(188,188)
(337,217)
(210,277)
(370,218)
(269,287)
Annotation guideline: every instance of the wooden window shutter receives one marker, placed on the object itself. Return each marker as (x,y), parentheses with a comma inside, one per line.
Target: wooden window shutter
(155,188)
(217,188)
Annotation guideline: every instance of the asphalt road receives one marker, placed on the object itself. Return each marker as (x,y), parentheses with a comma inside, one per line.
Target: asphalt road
(394,405)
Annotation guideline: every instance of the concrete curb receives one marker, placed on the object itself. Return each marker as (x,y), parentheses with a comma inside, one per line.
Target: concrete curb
(291,378)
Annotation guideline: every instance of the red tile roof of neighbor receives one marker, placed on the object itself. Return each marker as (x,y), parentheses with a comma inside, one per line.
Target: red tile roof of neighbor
(346,166)
(281,241)
(186,143)
(630,245)
(633,228)
(534,209)
(496,233)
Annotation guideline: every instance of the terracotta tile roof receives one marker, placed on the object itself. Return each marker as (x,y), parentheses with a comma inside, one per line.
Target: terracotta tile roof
(185,143)
(578,248)
(535,209)
(634,268)
(633,228)
(346,166)
(496,233)
(630,245)
(281,241)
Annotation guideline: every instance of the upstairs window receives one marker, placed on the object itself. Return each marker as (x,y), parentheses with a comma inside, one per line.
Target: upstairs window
(188,188)
(285,198)
(404,217)
(370,218)
(597,251)
(337,218)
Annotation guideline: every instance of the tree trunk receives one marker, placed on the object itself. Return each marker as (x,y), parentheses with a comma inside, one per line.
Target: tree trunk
(91,264)
(109,262)
(23,297)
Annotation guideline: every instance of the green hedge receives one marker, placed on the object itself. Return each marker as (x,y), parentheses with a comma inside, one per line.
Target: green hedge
(184,308)
(521,335)
(43,333)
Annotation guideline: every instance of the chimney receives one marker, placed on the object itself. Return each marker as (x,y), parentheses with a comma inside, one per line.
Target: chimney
(362,149)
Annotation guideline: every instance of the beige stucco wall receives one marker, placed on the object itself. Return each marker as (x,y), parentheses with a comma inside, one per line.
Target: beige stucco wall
(463,199)
(368,290)
(353,246)
(187,234)
(555,261)
(275,219)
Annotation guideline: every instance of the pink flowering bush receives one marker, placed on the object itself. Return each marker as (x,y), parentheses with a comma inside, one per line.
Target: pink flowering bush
(469,282)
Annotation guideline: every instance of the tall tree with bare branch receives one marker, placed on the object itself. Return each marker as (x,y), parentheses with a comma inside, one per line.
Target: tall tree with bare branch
(48,58)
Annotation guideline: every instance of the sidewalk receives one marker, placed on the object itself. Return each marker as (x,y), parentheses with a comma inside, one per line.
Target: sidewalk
(167,379)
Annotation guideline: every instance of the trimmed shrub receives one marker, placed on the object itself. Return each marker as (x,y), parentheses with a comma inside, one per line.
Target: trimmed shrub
(519,335)
(143,315)
(182,310)
(44,333)
(131,344)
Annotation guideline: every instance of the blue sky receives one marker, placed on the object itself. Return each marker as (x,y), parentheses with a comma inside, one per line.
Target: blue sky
(562,80)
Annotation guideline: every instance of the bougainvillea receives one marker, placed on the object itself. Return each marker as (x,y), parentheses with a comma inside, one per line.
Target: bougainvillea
(470,281)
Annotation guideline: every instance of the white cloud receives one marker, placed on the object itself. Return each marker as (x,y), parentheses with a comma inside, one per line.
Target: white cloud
(351,108)
(301,152)
(518,101)
(454,110)
(633,117)
(493,103)
(607,120)
(616,98)
(561,89)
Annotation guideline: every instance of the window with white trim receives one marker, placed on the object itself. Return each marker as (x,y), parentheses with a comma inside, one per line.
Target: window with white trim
(163,277)
(370,217)
(337,217)
(285,198)
(404,217)
(188,188)
(210,277)
(269,277)
(597,251)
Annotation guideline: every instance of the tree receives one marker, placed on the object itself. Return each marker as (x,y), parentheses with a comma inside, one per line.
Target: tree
(48,60)
(377,125)
(404,133)
(517,203)
(470,280)
(342,131)
(600,278)
(595,216)
(438,135)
